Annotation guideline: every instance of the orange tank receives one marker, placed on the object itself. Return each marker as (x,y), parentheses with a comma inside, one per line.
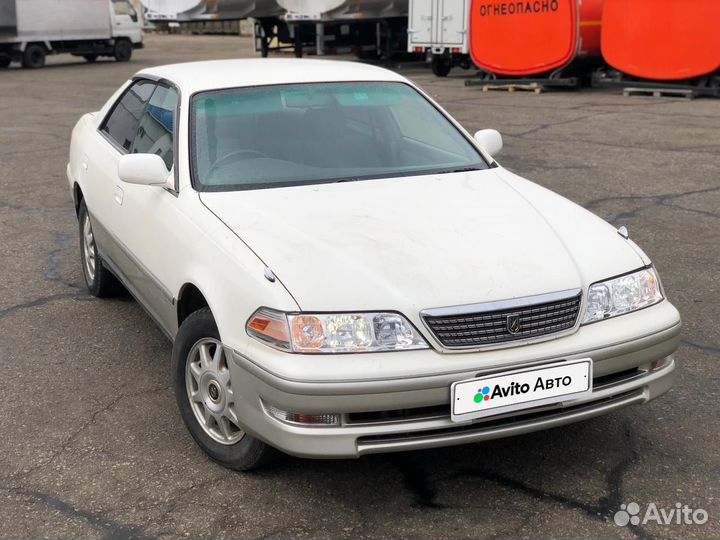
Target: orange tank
(533,37)
(662,39)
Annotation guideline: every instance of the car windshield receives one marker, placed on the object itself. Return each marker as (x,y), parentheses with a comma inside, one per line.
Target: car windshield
(287,135)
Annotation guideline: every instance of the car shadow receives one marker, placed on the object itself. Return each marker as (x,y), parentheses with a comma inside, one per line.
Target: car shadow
(579,467)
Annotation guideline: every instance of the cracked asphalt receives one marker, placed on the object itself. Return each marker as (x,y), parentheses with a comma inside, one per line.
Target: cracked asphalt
(91,444)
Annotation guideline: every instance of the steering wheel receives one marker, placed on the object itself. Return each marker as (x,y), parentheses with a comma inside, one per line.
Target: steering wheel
(237,155)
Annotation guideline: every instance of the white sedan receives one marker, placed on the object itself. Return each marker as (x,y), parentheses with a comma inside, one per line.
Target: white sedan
(343,270)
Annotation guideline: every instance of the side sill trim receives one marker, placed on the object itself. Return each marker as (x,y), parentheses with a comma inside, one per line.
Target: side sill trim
(128,285)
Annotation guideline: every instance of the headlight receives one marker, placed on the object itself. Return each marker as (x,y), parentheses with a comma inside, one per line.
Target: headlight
(622,294)
(334,333)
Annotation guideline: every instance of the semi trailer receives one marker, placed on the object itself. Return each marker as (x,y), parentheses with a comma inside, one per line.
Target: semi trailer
(32,29)
(368,28)
(212,10)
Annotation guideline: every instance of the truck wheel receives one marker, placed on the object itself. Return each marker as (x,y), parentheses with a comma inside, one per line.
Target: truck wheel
(34,56)
(90,58)
(205,395)
(440,65)
(123,50)
(5,61)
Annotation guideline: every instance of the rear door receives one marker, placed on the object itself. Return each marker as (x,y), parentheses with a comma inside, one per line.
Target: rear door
(420,19)
(452,22)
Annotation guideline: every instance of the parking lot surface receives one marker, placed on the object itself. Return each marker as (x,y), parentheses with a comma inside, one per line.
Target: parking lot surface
(91,443)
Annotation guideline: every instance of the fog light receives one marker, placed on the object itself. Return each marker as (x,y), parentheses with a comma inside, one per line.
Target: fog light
(660,363)
(302,419)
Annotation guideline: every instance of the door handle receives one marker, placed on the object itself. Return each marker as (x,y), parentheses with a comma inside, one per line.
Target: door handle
(119,195)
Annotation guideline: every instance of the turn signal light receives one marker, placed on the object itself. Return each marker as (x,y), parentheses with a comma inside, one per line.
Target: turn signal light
(323,419)
(271,327)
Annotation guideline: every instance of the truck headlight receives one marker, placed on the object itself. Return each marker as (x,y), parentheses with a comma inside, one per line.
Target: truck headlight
(622,294)
(334,332)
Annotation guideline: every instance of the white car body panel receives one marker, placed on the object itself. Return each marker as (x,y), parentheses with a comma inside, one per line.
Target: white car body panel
(435,240)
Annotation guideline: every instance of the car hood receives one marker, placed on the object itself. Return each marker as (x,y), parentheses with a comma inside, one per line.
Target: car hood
(413,243)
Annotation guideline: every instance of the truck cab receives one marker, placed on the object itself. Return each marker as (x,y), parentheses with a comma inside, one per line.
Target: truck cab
(126,22)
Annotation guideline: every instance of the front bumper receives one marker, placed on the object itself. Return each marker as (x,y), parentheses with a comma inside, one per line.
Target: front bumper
(394,414)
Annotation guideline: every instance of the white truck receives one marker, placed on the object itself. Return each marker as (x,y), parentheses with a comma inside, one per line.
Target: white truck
(32,29)
(439,29)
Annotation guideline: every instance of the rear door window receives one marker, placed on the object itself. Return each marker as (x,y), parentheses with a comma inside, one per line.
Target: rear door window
(123,121)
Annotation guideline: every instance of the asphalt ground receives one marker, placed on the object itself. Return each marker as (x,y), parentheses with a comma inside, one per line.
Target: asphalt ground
(91,443)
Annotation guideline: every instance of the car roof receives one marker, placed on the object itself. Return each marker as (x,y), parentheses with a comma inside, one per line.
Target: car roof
(194,77)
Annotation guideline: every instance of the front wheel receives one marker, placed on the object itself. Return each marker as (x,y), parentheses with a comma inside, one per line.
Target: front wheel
(33,56)
(206,398)
(123,50)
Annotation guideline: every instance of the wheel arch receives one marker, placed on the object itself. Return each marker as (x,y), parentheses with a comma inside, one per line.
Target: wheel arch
(190,299)
(77,198)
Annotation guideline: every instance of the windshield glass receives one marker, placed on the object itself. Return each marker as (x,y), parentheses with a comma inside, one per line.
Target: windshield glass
(274,136)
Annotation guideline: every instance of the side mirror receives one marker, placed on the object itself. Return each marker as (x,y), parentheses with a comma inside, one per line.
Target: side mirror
(144,169)
(490,140)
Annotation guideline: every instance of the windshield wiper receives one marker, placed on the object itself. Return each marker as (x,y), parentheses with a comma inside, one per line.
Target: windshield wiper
(459,169)
(346,180)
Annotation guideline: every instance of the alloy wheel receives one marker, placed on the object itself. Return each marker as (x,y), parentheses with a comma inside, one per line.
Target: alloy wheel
(89,256)
(207,381)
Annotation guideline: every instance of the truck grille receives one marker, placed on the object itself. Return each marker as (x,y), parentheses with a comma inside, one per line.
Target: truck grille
(527,318)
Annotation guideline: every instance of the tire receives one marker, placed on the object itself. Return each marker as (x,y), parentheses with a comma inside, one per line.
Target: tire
(441,66)
(123,50)
(33,56)
(5,62)
(239,451)
(90,58)
(99,280)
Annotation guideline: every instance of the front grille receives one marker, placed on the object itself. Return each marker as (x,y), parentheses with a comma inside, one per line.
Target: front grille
(477,328)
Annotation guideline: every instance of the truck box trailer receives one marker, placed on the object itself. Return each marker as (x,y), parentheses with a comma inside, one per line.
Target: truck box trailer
(32,29)
(439,28)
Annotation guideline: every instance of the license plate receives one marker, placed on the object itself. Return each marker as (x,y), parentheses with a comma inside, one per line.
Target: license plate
(521,389)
